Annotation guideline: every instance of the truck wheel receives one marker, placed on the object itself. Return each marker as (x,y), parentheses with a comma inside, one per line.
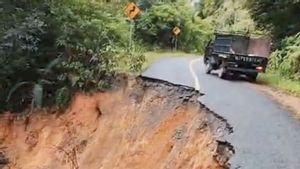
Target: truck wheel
(252,77)
(222,73)
(208,67)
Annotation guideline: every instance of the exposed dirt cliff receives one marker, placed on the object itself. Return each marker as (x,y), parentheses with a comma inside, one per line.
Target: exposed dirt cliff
(141,124)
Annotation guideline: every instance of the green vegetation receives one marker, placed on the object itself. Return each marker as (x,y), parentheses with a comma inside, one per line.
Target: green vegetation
(51,49)
(55,47)
(286,59)
(276,81)
(228,16)
(281,17)
(155,26)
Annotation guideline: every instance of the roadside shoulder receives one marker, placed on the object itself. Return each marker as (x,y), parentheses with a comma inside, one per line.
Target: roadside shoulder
(290,102)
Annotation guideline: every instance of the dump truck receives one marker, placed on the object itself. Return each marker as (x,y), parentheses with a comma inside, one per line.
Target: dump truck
(237,54)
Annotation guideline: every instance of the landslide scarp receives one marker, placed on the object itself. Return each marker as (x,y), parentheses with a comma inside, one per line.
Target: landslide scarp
(142,123)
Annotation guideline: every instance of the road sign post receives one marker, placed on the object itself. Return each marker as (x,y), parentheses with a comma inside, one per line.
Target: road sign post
(131,34)
(176,31)
(132,11)
(176,42)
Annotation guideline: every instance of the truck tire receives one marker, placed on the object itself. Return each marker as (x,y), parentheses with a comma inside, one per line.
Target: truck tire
(208,67)
(222,73)
(252,77)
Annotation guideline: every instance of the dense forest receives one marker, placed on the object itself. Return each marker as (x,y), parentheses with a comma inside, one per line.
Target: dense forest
(51,49)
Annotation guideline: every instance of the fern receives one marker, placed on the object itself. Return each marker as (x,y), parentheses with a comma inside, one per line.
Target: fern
(287,59)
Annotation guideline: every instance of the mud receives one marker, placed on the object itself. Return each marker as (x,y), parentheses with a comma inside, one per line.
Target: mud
(142,123)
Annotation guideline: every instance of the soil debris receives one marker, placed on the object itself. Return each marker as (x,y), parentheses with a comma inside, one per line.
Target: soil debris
(3,160)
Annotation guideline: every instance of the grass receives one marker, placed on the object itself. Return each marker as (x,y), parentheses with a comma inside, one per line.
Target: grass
(281,83)
(153,56)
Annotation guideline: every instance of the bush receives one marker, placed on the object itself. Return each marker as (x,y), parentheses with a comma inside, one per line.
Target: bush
(49,49)
(155,27)
(228,16)
(286,60)
(279,16)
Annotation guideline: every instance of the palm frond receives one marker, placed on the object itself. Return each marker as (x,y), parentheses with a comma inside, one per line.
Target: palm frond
(50,65)
(15,87)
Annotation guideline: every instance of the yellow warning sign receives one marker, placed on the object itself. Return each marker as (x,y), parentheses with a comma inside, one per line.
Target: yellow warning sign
(176,30)
(132,10)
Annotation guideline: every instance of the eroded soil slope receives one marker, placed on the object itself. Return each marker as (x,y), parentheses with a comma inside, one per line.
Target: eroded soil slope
(141,124)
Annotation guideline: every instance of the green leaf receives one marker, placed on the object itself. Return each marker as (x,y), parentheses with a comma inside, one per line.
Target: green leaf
(51,65)
(15,87)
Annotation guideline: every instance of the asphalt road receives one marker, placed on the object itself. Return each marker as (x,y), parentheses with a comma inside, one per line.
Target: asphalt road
(265,135)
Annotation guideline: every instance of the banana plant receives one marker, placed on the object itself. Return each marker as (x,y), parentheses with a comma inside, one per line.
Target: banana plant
(37,92)
(37,86)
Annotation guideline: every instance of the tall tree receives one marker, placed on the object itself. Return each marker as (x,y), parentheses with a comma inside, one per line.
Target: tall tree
(281,16)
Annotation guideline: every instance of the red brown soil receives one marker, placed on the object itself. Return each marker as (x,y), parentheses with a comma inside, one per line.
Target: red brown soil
(137,126)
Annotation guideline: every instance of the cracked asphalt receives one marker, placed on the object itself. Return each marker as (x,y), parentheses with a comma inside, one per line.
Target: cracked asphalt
(265,135)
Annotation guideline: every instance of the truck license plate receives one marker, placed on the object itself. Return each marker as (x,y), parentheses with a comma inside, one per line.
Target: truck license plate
(247,59)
